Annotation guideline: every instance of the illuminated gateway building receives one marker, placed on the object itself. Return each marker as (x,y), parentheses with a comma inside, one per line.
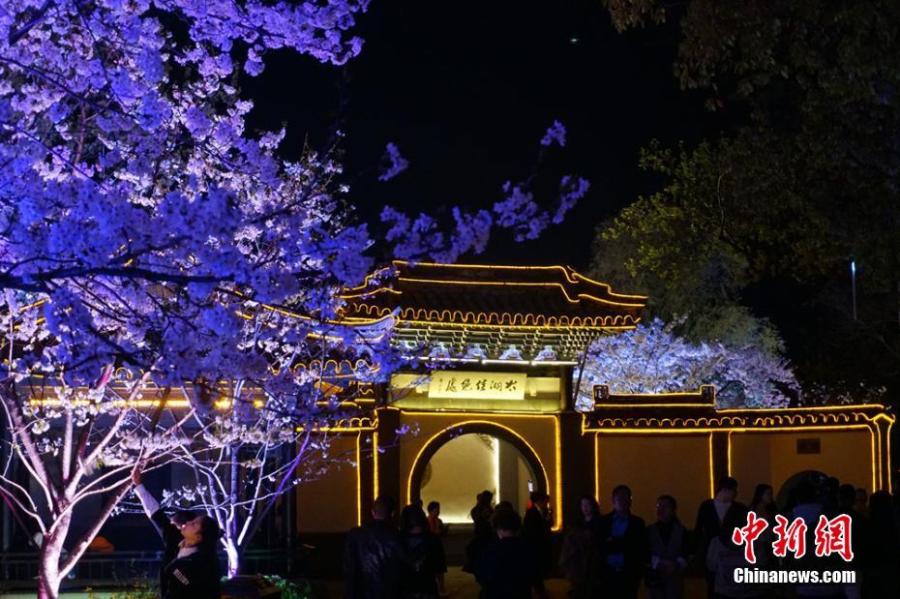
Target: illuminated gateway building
(488,403)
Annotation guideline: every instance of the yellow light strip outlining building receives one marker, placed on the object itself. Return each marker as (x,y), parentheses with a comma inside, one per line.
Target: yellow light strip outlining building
(496,271)
(501,425)
(492,307)
(529,325)
(509,338)
(771,445)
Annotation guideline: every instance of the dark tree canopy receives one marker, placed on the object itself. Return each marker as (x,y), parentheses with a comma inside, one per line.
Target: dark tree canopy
(759,224)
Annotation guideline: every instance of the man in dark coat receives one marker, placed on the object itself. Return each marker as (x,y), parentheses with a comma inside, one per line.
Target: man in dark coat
(710,516)
(506,568)
(373,556)
(536,532)
(483,534)
(624,553)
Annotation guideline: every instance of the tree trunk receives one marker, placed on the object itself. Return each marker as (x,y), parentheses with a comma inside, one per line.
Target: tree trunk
(47,589)
(49,578)
(234,558)
(231,537)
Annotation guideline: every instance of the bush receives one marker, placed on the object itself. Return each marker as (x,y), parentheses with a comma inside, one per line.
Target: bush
(140,590)
(289,589)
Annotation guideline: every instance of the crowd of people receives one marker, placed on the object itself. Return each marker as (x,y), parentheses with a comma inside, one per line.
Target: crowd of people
(611,555)
(381,561)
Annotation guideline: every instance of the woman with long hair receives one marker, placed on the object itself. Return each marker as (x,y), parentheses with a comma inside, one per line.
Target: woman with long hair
(764,503)
(191,569)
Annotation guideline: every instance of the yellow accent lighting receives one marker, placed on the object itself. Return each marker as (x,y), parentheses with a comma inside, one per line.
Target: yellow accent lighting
(558,524)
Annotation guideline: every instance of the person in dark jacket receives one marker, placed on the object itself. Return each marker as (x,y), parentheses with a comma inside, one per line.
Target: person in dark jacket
(763,503)
(536,532)
(578,557)
(668,542)
(170,535)
(423,554)
(506,568)
(724,557)
(710,516)
(623,547)
(373,556)
(437,527)
(881,549)
(483,533)
(190,568)
(482,512)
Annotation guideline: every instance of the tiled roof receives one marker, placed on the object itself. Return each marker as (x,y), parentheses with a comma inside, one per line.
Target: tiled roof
(522,296)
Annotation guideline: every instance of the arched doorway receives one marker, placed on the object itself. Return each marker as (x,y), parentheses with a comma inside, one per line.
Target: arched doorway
(785,497)
(465,459)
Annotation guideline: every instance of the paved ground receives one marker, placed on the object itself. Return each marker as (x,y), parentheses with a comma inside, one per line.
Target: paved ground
(463,586)
(31,595)
(459,584)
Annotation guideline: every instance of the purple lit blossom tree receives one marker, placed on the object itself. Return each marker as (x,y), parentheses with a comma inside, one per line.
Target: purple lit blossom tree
(247,453)
(556,134)
(149,243)
(518,212)
(394,163)
(143,230)
(652,358)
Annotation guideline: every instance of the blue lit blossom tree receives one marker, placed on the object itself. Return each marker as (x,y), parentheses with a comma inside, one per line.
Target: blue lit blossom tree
(148,240)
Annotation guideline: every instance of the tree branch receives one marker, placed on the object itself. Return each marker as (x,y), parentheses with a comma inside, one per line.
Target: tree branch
(10,400)
(16,34)
(81,545)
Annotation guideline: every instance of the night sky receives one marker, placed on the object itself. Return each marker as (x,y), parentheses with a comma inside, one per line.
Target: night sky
(467,89)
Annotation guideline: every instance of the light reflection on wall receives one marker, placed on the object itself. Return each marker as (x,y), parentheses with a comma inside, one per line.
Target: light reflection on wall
(472,463)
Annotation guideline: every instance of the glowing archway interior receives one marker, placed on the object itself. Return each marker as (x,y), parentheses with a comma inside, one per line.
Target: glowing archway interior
(494,429)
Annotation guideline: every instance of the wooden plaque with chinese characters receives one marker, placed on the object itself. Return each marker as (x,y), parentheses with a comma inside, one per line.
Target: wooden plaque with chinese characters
(459,384)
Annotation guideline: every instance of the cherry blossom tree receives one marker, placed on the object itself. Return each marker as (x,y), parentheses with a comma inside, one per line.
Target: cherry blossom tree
(76,444)
(142,228)
(651,358)
(150,243)
(244,471)
(250,451)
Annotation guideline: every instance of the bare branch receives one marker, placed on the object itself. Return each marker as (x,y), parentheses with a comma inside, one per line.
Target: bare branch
(10,400)
(31,511)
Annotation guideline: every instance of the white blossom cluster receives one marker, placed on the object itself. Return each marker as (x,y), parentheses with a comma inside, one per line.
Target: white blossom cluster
(653,359)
